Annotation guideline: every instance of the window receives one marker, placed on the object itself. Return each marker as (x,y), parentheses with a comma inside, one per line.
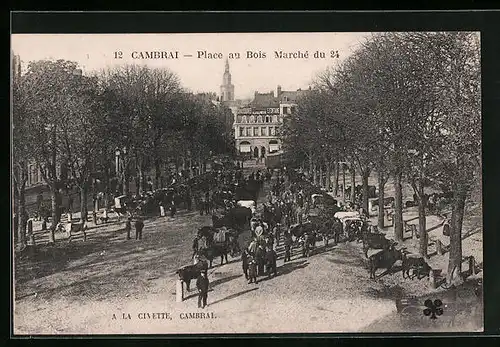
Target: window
(248,131)
(241,131)
(263,131)
(267,119)
(275,119)
(271,131)
(252,119)
(259,119)
(285,110)
(256,131)
(244,119)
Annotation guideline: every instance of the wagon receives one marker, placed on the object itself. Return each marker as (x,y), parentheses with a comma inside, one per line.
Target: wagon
(247,203)
(120,201)
(341,215)
(323,199)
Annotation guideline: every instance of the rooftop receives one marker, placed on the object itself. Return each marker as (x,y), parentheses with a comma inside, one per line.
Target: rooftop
(282,96)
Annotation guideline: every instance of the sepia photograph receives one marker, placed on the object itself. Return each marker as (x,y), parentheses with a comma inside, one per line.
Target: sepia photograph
(246,183)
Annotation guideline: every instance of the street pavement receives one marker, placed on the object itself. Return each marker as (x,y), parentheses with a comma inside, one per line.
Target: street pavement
(109,285)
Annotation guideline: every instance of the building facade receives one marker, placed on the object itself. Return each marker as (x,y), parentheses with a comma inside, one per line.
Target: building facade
(257,125)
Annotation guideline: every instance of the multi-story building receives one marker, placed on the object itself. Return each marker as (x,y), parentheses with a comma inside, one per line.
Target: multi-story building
(257,125)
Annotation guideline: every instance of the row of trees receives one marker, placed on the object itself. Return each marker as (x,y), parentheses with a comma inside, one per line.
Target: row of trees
(406,106)
(64,119)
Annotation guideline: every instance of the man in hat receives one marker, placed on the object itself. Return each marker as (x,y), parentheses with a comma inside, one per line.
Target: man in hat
(277,233)
(259,229)
(288,245)
(202,285)
(139,225)
(128,227)
(195,246)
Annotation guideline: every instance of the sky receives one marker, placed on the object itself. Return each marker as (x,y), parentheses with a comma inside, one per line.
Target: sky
(94,52)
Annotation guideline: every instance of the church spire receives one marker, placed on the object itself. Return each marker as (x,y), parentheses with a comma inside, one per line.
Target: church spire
(227,88)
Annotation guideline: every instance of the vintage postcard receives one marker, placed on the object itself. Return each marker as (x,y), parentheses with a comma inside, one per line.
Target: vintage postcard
(246,183)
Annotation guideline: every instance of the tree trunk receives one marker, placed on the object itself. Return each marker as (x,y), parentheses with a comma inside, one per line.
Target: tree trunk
(126,180)
(343,182)
(21,215)
(398,207)
(83,203)
(95,203)
(137,182)
(365,175)
(310,166)
(422,227)
(353,183)
(321,181)
(191,174)
(336,186)
(140,177)
(455,255)
(381,195)
(157,173)
(107,189)
(328,175)
(183,163)
(15,210)
(315,173)
(56,217)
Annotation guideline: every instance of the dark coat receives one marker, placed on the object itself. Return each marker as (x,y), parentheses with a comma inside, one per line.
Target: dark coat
(202,284)
(139,225)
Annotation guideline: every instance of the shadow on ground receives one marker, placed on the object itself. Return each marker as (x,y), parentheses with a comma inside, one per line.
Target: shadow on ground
(463,310)
(232,296)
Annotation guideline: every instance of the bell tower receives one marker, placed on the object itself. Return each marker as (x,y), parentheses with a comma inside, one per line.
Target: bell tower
(227,89)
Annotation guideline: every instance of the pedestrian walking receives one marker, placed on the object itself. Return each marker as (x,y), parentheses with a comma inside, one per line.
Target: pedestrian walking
(139,225)
(150,184)
(305,245)
(202,285)
(299,215)
(128,227)
(173,209)
(162,210)
(195,247)
(277,233)
(244,262)
(288,245)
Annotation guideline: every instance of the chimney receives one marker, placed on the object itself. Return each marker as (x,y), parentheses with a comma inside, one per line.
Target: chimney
(309,87)
(278,91)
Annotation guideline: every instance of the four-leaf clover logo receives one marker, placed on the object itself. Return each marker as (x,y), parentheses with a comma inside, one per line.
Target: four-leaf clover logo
(433,308)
